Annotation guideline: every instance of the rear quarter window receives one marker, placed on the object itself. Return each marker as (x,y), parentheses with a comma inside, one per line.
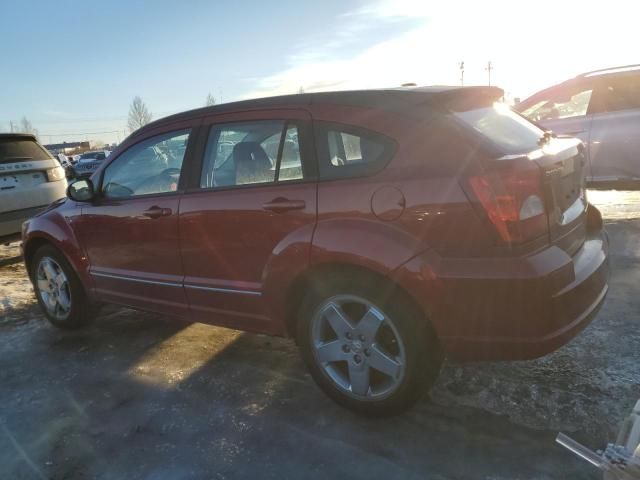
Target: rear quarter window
(345,151)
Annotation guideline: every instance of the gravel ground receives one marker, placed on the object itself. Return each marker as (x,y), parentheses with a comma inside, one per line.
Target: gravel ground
(136,395)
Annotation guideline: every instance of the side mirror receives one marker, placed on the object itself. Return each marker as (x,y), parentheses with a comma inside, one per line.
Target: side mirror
(81,190)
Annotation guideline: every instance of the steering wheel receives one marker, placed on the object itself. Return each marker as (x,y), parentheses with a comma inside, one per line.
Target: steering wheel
(168,172)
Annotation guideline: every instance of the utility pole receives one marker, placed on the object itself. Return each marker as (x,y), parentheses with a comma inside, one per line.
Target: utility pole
(12,127)
(488,68)
(462,73)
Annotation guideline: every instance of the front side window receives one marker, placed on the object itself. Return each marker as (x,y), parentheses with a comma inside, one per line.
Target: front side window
(246,153)
(345,151)
(149,167)
(564,102)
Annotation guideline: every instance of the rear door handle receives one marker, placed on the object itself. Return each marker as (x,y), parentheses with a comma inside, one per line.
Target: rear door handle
(156,212)
(281,205)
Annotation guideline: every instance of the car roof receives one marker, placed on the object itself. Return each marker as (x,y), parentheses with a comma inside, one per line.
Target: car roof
(583,77)
(398,100)
(611,71)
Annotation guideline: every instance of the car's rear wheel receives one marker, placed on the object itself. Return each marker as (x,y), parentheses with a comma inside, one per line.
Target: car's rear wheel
(59,290)
(368,347)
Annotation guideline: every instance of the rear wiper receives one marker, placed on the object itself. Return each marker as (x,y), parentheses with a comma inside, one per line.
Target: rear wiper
(546,137)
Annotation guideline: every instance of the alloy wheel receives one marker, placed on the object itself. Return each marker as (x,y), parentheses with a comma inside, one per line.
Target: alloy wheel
(53,287)
(358,347)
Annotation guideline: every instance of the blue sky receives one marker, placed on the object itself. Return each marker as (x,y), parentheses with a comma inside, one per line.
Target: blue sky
(73,67)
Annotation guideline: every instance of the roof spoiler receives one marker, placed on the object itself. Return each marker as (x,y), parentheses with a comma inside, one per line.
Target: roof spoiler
(466,98)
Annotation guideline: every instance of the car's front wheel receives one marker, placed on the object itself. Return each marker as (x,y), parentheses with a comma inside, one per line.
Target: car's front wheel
(59,290)
(368,347)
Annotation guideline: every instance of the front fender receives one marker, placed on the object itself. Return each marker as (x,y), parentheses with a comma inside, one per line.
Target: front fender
(55,226)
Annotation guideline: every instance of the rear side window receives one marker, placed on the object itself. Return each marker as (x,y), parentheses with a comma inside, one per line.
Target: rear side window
(246,153)
(621,93)
(345,151)
(510,132)
(14,150)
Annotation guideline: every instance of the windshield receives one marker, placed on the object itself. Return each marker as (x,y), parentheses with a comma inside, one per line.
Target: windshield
(509,131)
(93,156)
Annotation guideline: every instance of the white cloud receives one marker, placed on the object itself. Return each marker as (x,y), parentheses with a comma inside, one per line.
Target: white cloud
(531,44)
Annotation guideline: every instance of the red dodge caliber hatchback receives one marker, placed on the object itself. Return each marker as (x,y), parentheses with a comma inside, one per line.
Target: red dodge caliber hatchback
(384,230)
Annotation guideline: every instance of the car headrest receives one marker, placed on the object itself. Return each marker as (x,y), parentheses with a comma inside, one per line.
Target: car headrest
(252,163)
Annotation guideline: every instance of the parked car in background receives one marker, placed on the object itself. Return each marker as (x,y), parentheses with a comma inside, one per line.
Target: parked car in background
(65,163)
(89,163)
(602,108)
(30,179)
(388,229)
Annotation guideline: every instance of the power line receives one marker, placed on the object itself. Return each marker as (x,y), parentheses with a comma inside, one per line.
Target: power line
(78,133)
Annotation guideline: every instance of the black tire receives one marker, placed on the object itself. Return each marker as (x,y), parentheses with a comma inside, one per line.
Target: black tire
(422,351)
(82,310)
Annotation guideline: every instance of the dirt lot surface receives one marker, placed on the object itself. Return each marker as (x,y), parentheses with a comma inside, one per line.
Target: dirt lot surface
(137,396)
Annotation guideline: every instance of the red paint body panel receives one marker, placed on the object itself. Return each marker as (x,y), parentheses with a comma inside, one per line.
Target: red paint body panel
(222,258)
(228,239)
(57,227)
(517,308)
(120,241)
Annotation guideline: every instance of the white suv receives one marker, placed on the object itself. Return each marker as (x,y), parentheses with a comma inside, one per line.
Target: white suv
(30,179)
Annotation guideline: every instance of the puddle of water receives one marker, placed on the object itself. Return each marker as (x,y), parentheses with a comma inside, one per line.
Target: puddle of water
(616,203)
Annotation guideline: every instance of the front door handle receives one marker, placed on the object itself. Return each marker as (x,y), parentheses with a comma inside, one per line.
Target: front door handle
(281,205)
(156,212)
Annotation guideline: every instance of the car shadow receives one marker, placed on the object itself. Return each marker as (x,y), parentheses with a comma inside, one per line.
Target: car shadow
(136,395)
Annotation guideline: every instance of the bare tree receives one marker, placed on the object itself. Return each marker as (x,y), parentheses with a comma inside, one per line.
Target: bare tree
(139,114)
(211,100)
(301,89)
(25,127)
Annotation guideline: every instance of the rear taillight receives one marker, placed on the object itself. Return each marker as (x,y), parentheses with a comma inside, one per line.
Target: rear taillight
(513,201)
(54,174)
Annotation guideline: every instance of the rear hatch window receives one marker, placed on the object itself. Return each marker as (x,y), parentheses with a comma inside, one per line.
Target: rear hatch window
(15,150)
(23,165)
(561,164)
(507,130)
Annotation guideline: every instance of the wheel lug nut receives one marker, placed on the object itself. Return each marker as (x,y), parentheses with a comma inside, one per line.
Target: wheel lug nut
(367,352)
(357,359)
(345,348)
(361,337)
(348,335)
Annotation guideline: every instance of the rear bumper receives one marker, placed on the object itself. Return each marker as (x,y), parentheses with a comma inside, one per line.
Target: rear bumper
(511,309)
(11,222)
(552,307)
